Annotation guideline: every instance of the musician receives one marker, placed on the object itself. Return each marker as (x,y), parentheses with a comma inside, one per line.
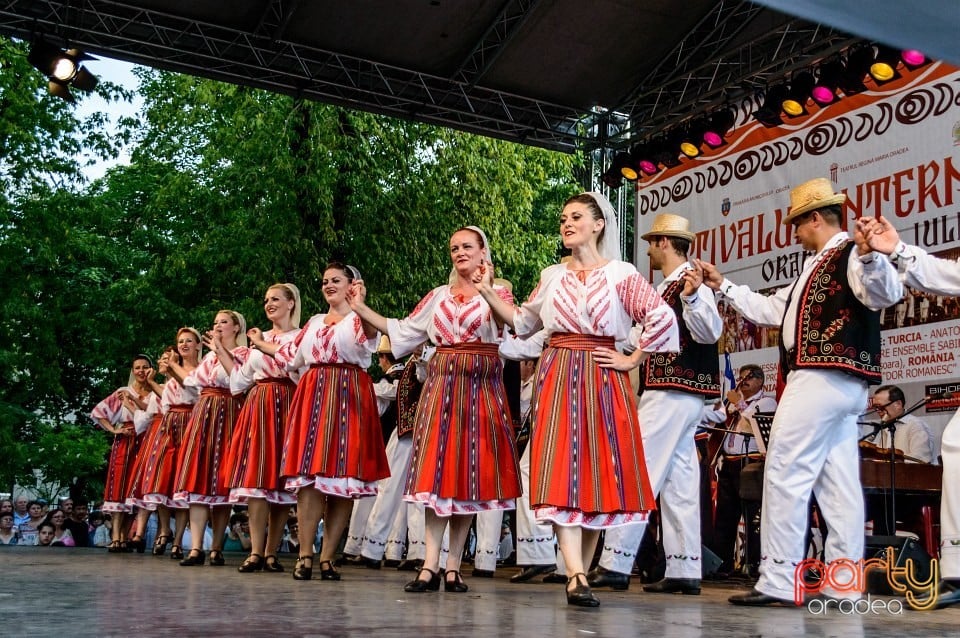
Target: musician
(829,324)
(736,451)
(912,439)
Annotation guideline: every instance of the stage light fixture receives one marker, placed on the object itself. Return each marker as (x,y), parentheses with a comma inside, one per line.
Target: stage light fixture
(769,113)
(859,60)
(913,58)
(718,125)
(62,68)
(884,67)
(691,137)
(665,151)
(801,84)
(612,178)
(825,90)
(622,162)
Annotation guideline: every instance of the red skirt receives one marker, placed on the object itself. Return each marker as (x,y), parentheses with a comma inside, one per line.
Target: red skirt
(586,461)
(116,489)
(464,458)
(204,447)
(159,456)
(333,432)
(135,497)
(252,468)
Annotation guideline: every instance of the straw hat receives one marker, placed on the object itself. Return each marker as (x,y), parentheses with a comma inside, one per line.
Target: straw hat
(384,346)
(670,225)
(817,193)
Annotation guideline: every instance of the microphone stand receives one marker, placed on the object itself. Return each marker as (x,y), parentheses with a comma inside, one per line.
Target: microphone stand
(892,427)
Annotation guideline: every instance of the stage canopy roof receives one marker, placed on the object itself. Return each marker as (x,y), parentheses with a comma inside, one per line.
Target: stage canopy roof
(560,74)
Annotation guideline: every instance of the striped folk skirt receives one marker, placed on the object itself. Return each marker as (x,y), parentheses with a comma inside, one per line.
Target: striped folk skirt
(135,495)
(203,449)
(123,455)
(159,457)
(252,469)
(464,460)
(586,461)
(333,440)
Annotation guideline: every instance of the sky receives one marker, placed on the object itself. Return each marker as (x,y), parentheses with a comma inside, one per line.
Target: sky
(119,73)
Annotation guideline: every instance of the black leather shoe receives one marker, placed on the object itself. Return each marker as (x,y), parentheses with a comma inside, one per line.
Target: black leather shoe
(755,598)
(272,565)
(216,558)
(301,571)
(481,573)
(601,577)
(454,584)
(176,552)
(418,586)
(554,579)
(254,563)
(532,571)
(410,566)
(329,573)
(391,563)
(195,557)
(581,596)
(690,586)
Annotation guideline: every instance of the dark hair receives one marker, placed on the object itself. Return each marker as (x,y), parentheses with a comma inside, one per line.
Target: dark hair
(595,211)
(238,518)
(679,244)
(894,393)
(830,214)
(351,272)
(140,356)
(753,370)
(47,524)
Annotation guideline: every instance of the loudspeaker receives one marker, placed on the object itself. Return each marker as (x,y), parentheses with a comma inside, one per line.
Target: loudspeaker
(904,548)
(710,561)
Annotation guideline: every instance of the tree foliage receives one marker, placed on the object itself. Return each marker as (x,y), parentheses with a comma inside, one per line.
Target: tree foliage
(229,189)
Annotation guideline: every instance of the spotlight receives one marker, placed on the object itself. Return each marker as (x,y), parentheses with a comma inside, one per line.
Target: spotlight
(884,67)
(718,126)
(665,151)
(622,163)
(62,68)
(858,64)
(640,157)
(913,58)
(825,90)
(691,137)
(769,113)
(796,101)
(612,178)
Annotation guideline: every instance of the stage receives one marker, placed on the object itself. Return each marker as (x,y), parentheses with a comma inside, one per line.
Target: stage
(67,592)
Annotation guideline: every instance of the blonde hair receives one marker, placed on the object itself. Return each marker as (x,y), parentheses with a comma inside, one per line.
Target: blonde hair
(292,293)
(240,321)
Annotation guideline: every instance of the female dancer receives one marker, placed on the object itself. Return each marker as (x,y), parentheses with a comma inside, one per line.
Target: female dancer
(333,449)
(253,463)
(199,474)
(160,456)
(464,460)
(587,465)
(111,415)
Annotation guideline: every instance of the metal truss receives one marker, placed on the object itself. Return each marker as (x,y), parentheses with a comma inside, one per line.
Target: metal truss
(261,58)
(701,71)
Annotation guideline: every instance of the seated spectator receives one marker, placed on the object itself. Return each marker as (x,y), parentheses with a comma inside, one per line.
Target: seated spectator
(77,524)
(21,511)
(66,504)
(238,536)
(100,531)
(37,514)
(45,532)
(290,543)
(505,551)
(61,534)
(9,535)
(6,505)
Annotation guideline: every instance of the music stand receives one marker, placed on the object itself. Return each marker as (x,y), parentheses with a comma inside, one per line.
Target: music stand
(760,424)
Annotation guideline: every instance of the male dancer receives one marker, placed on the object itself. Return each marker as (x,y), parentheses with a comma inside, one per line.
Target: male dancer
(940,277)
(829,352)
(674,387)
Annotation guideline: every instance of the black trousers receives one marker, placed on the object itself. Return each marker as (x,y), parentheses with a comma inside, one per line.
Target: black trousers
(730,507)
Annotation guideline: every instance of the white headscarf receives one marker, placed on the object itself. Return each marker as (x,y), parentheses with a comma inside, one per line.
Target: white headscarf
(609,245)
(487,256)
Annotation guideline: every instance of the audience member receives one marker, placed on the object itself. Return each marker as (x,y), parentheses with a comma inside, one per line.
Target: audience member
(100,530)
(77,524)
(45,534)
(238,534)
(6,505)
(21,512)
(61,534)
(9,535)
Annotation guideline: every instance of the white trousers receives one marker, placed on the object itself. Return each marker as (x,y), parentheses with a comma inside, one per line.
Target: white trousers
(489,524)
(358,523)
(389,501)
(668,422)
(813,449)
(950,501)
(536,543)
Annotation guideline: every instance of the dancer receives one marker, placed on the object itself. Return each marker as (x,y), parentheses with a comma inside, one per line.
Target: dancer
(829,353)
(674,387)
(199,480)
(162,444)
(939,277)
(111,415)
(252,468)
(587,467)
(463,455)
(333,450)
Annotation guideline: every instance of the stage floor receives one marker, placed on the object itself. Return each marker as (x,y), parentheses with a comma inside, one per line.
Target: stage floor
(69,592)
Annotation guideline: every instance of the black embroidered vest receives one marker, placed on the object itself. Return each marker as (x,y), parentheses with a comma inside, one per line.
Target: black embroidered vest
(695,370)
(835,331)
(408,395)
